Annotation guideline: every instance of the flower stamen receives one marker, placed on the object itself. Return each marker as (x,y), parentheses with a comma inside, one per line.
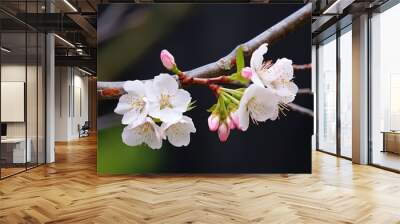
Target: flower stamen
(253,109)
(138,104)
(146,128)
(164,101)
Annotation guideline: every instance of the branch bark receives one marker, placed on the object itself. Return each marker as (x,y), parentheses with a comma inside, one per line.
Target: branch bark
(305,91)
(270,36)
(302,67)
(300,109)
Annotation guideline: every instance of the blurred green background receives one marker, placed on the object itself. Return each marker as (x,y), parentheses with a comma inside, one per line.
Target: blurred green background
(116,157)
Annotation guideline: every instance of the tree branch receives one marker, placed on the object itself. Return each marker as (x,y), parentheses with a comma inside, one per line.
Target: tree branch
(300,109)
(302,67)
(112,90)
(305,91)
(270,36)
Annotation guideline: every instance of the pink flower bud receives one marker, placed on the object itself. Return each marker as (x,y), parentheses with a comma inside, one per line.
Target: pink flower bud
(230,123)
(213,122)
(167,59)
(247,72)
(223,132)
(235,119)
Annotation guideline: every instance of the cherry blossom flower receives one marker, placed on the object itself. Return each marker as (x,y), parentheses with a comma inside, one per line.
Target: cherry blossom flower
(146,132)
(161,101)
(257,66)
(167,101)
(280,79)
(133,106)
(178,134)
(259,104)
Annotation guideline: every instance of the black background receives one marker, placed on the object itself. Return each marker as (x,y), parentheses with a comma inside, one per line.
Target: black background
(208,33)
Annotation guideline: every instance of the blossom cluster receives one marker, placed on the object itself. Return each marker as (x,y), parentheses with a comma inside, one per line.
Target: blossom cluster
(153,110)
(147,104)
(272,87)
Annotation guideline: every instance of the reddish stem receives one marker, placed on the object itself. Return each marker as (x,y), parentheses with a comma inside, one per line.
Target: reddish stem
(302,67)
(215,88)
(187,80)
(233,61)
(110,92)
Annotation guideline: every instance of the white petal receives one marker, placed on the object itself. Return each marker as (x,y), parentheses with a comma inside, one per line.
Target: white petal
(179,133)
(287,67)
(135,88)
(154,139)
(169,115)
(257,57)
(248,93)
(154,109)
(124,104)
(158,130)
(283,67)
(271,75)
(293,88)
(177,136)
(275,114)
(154,142)
(283,92)
(166,84)
(287,92)
(288,99)
(131,137)
(134,117)
(134,134)
(256,79)
(152,92)
(243,118)
(190,123)
(243,113)
(267,104)
(165,125)
(181,100)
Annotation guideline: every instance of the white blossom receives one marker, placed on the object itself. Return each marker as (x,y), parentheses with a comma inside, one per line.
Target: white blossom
(146,132)
(133,106)
(259,104)
(278,77)
(178,134)
(167,101)
(257,65)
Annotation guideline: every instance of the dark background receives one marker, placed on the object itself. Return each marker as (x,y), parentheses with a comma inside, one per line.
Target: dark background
(206,33)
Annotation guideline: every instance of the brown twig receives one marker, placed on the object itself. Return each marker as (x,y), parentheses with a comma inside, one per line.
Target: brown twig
(270,36)
(305,91)
(188,80)
(210,73)
(214,88)
(302,67)
(300,109)
(112,90)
